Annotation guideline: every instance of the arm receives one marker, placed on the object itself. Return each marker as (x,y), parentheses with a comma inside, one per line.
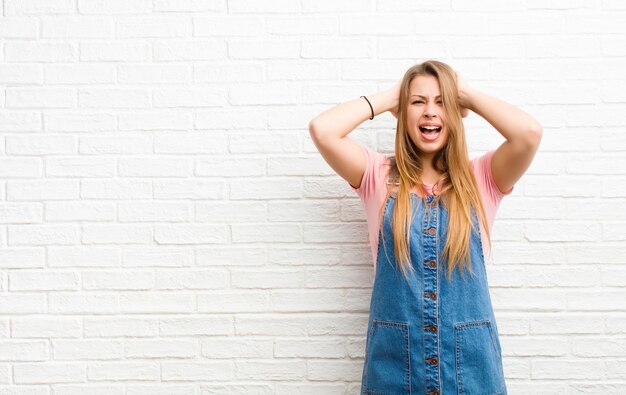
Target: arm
(521,131)
(329,131)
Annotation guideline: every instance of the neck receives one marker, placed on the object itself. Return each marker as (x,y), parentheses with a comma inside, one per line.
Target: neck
(429,174)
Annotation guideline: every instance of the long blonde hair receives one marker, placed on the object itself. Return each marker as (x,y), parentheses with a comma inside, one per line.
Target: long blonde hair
(457,188)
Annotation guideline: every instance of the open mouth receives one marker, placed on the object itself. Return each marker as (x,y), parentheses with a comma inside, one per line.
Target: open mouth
(430,129)
(430,133)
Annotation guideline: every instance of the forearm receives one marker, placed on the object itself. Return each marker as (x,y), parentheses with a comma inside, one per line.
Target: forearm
(511,122)
(343,118)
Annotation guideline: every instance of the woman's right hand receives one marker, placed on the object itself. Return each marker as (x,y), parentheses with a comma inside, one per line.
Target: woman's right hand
(394,92)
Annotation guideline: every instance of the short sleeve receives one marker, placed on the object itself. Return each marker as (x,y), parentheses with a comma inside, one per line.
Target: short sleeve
(371,179)
(491,194)
(484,177)
(373,192)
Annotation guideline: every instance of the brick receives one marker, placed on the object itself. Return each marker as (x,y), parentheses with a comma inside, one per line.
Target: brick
(114,233)
(99,371)
(40,97)
(192,50)
(20,121)
(142,349)
(21,213)
(23,350)
(115,7)
(148,167)
(46,327)
(117,280)
(566,368)
(114,51)
(76,27)
(83,303)
(19,73)
(207,143)
(38,7)
(79,211)
(92,256)
(156,302)
(230,212)
(196,371)
(49,372)
(21,258)
(113,98)
(212,324)
(192,279)
(319,370)
(227,348)
(121,326)
(82,349)
(157,257)
(270,369)
(32,235)
(114,189)
(43,281)
(41,145)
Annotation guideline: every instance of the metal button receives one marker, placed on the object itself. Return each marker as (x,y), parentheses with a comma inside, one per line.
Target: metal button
(432,361)
(433,392)
(431,263)
(432,328)
(432,295)
(431,231)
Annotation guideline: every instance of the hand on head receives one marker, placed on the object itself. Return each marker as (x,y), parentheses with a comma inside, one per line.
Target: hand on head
(462,88)
(395,92)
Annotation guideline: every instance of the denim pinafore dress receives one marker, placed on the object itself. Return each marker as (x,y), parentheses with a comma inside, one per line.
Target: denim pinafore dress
(427,335)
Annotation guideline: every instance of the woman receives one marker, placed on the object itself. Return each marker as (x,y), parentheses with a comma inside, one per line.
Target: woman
(429,209)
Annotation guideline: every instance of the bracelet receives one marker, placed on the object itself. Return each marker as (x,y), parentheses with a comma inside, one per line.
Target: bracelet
(371,108)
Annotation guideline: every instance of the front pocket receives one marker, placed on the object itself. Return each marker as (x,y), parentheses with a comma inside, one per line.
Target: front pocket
(478,362)
(386,368)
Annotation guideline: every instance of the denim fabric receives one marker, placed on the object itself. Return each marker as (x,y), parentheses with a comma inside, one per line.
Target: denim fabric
(427,335)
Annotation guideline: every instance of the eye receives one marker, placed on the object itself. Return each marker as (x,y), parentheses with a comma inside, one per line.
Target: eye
(418,101)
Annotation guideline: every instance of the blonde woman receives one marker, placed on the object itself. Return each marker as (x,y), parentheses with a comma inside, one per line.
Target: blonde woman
(429,211)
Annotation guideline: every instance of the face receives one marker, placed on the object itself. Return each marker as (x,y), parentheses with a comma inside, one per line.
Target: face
(425,110)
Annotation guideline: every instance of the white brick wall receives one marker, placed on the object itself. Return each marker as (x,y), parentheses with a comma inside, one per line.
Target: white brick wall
(168,227)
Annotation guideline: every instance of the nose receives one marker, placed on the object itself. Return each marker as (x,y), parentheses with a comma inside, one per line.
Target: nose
(429,110)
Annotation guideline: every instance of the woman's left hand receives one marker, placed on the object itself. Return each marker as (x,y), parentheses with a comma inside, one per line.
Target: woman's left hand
(463,91)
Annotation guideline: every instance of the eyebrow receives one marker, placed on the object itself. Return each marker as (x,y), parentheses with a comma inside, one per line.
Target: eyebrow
(424,97)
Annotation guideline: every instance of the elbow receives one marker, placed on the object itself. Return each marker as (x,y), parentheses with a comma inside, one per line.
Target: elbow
(536,132)
(314,130)
(312,127)
(536,129)
(530,139)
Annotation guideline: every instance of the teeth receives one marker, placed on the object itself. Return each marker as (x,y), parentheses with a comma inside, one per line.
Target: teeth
(430,129)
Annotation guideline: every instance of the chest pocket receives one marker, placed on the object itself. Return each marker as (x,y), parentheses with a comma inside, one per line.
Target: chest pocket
(386,369)
(478,360)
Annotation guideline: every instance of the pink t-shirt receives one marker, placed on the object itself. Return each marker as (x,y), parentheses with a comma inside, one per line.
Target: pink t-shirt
(373,191)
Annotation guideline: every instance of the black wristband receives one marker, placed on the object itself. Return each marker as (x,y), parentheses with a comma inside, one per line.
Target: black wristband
(371,108)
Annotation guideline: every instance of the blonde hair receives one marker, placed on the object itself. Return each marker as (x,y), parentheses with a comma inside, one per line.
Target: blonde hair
(457,188)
